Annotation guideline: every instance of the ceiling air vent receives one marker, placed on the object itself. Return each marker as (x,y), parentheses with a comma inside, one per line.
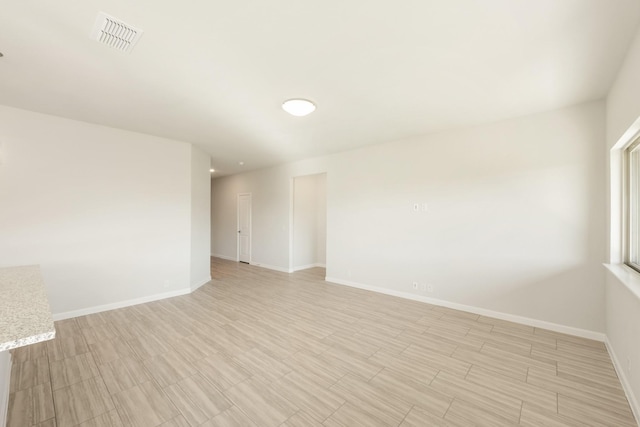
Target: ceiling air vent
(115,33)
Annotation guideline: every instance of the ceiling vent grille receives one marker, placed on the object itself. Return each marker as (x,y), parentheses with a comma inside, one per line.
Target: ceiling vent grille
(115,33)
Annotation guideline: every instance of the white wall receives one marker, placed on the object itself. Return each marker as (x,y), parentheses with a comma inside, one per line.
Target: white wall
(200,218)
(515,221)
(623,334)
(105,212)
(622,306)
(309,221)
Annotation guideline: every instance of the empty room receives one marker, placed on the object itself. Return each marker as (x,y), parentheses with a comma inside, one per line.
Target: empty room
(323,214)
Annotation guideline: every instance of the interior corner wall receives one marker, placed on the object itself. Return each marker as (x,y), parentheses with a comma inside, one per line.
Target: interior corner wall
(200,217)
(321,220)
(623,307)
(105,212)
(305,219)
(309,221)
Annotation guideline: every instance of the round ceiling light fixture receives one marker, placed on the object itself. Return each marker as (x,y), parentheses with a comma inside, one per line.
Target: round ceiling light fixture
(298,107)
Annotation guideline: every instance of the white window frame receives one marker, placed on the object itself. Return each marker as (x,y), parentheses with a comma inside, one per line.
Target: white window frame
(631,205)
(618,200)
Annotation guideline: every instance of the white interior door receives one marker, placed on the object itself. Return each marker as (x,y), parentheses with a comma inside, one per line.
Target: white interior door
(244,227)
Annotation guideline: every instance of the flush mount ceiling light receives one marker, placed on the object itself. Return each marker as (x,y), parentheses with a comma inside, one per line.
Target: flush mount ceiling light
(212,170)
(298,107)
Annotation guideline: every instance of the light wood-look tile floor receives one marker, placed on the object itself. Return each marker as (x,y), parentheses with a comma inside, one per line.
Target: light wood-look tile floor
(260,348)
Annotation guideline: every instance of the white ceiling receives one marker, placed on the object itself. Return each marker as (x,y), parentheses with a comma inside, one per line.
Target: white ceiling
(215,73)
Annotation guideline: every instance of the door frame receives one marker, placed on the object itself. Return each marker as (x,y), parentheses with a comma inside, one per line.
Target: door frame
(238,225)
(292,191)
(292,184)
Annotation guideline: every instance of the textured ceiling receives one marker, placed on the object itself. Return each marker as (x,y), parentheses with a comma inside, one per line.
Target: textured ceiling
(215,73)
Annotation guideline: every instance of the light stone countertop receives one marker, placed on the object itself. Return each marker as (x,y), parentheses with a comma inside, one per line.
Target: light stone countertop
(25,315)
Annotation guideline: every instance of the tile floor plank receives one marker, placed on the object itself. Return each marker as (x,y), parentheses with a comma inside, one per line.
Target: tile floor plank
(144,405)
(81,402)
(372,399)
(168,368)
(350,415)
(420,418)
(232,417)
(73,370)
(521,390)
(532,416)
(108,419)
(498,403)
(178,421)
(30,373)
(30,406)
(197,399)
(122,374)
(412,391)
(314,399)
(261,404)
(594,415)
(301,419)
(464,413)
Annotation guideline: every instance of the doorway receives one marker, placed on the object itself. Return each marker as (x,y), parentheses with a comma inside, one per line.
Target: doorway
(244,228)
(309,222)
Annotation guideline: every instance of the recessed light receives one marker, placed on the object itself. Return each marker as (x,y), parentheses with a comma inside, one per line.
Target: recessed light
(298,107)
(212,170)
(241,163)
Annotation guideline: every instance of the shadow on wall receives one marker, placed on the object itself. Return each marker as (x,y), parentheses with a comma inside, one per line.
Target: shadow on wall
(556,295)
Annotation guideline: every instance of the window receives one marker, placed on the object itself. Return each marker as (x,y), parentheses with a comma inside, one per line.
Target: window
(632,201)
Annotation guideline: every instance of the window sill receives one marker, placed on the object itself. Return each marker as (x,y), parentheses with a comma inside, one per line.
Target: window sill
(627,276)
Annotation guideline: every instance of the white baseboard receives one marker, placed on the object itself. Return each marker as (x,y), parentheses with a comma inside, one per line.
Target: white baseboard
(271,267)
(228,258)
(200,283)
(624,380)
(267,266)
(5,375)
(305,267)
(119,304)
(569,330)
